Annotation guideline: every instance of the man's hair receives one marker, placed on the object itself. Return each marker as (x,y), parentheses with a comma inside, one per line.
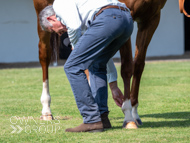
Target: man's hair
(44,14)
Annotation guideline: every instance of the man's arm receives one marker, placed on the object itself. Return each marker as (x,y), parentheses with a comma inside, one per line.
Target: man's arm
(112,80)
(111,71)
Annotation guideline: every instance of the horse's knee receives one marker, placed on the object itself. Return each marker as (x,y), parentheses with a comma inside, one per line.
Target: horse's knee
(126,71)
(138,67)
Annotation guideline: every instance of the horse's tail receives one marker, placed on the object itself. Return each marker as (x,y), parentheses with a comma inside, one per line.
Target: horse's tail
(182,8)
(54,45)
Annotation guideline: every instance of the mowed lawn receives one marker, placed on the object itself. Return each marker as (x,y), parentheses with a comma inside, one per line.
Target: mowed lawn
(164,107)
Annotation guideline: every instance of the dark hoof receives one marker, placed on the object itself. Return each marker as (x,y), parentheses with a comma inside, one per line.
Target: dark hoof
(138,122)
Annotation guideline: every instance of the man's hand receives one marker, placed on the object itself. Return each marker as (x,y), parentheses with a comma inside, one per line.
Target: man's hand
(116,93)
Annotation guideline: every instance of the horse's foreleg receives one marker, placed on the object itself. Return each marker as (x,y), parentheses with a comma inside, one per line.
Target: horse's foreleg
(144,36)
(126,73)
(45,57)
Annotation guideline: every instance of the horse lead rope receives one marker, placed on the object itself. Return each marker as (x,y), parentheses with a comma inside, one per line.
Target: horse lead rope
(182,9)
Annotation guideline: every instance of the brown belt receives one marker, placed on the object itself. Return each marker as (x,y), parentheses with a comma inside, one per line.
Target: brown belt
(109,6)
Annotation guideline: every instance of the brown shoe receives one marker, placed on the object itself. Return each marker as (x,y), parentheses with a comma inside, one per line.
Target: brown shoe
(90,127)
(105,120)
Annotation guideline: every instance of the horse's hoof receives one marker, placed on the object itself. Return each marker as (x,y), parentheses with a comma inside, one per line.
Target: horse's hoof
(138,122)
(130,125)
(46,117)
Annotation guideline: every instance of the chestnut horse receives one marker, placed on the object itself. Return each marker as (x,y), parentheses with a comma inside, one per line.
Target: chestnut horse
(147,15)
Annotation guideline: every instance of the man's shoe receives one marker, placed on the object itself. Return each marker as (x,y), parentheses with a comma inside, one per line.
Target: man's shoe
(105,120)
(90,127)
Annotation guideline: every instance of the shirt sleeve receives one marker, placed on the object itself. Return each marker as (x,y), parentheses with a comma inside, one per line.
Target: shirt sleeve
(67,13)
(111,71)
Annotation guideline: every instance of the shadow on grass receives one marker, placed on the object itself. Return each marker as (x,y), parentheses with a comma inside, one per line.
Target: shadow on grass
(178,119)
(115,128)
(184,122)
(172,115)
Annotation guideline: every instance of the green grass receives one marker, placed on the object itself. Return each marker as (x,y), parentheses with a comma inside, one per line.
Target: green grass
(164,107)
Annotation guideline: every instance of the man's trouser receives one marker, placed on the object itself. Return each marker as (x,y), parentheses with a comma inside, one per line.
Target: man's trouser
(106,34)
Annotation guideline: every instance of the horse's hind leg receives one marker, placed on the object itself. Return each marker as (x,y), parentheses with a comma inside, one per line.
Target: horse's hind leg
(126,73)
(144,36)
(44,57)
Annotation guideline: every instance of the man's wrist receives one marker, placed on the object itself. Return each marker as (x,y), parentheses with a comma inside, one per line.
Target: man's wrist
(113,84)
